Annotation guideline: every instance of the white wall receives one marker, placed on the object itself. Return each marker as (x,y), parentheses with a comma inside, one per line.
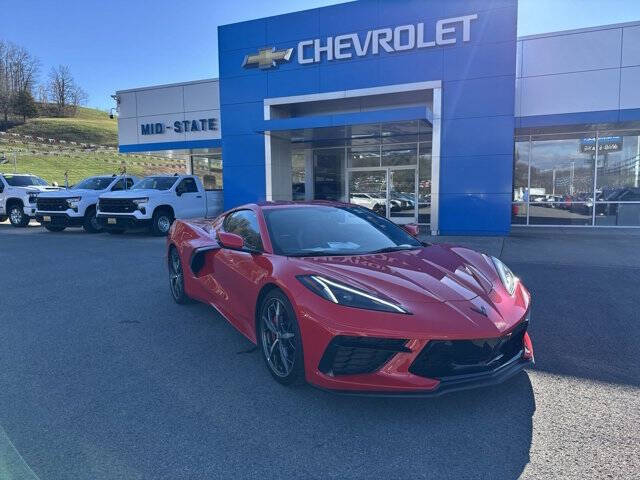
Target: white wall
(584,70)
(167,104)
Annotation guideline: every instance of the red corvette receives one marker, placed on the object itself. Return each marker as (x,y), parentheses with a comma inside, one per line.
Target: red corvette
(343,298)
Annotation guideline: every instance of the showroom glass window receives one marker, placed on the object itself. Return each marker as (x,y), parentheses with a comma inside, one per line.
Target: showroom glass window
(583,178)
(208,167)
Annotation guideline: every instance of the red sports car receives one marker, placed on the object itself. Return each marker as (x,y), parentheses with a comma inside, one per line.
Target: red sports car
(341,297)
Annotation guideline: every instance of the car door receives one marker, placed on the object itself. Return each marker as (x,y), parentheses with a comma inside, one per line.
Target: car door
(190,202)
(239,272)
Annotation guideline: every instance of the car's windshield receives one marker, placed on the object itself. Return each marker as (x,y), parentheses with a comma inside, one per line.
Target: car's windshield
(24,180)
(329,230)
(155,183)
(94,183)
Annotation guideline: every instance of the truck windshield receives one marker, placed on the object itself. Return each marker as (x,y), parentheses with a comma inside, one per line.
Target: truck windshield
(94,183)
(155,183)
(23,180)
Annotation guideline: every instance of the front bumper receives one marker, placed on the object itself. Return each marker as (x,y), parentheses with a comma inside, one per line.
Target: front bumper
(59,219)
(122,222)
(401,373)
(30,210)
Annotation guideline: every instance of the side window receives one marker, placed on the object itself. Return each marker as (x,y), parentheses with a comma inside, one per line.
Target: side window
(129,183)
(118,186)
(245,224)
(188,185)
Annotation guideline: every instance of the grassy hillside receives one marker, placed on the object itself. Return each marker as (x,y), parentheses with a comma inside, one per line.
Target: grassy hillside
(88,126)
(51,160)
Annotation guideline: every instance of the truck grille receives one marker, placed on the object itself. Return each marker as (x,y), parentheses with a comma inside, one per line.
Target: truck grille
(52,204)
(355,355)
(116,205)
(446,358)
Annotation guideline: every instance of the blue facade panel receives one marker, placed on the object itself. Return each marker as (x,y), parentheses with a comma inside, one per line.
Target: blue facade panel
(478,88)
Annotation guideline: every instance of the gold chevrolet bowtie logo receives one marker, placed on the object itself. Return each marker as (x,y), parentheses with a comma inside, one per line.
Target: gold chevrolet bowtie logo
(267,58)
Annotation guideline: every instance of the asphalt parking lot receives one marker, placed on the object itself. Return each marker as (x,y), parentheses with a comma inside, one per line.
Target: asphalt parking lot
(102,376)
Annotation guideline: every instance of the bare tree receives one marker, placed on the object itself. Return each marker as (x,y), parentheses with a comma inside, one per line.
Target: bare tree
(63,90)
(18,73)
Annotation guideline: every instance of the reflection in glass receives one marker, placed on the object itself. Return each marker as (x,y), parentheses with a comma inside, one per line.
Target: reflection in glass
(618,164)
(298,170)
(209,168)
(402,194)
(547,213)
(519,213)
(393,155)
(369,189)
(618,214)
(424,183)
(328,174)
(363,157)
(521,169)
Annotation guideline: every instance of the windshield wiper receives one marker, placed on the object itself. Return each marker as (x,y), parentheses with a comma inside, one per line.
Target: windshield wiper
(397,248)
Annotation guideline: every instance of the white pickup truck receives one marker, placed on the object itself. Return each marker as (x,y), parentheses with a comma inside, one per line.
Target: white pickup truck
(154,202)
(76,207)
(18,193)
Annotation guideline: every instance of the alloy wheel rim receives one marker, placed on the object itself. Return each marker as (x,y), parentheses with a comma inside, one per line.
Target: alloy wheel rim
(176,277)
(278,338)
(16,215)
(164,224)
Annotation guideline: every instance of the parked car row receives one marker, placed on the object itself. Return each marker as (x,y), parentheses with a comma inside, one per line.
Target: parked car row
(114,203)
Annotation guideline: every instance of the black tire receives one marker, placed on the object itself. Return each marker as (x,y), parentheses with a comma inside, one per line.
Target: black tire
(17,217)
(3,218)
(90,222)
(286,364)
(53,228)
(161,222)
(115,231)
(176,278)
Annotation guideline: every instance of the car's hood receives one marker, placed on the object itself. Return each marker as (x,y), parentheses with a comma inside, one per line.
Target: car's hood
(64,193)
(431,274)
(133,193)
(40,188)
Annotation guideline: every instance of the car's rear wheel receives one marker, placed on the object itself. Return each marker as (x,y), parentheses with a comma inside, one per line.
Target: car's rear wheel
(176,278)
(53,228)
(280,340)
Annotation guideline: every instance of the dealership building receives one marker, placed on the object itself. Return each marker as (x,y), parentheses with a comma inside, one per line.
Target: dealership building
(433,112)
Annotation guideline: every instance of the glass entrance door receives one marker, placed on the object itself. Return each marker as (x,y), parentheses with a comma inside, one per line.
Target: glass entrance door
(390,192)
(402,195)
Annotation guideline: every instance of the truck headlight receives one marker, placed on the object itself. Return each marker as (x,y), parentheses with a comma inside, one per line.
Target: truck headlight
(33,197)
(140,202)
(73,202)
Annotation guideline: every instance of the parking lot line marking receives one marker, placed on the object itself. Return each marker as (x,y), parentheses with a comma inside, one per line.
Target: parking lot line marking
(12,465)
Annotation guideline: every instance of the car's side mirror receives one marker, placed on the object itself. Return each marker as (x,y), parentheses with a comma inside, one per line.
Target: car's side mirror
(230,240)
(412,229)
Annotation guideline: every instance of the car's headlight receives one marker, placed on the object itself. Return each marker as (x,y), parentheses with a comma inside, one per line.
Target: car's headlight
(33,197)
(73,202)
(509,280)
(140,201)
(348,296)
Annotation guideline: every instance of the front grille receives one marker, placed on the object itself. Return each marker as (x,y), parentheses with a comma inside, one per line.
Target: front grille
(52,204)
(116,205)
(355,355)
(447,358)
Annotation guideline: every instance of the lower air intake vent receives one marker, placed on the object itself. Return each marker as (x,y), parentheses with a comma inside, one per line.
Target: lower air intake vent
(355,355)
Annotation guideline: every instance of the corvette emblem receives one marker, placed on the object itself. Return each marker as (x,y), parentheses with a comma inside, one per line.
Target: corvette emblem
(267,58)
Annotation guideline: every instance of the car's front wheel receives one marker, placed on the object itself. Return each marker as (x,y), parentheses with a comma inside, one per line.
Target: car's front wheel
(279,339)
(90,222)
(161,222)
(176,278)
(17,216)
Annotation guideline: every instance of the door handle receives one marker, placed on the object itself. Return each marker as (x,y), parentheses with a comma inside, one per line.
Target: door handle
(198,196)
